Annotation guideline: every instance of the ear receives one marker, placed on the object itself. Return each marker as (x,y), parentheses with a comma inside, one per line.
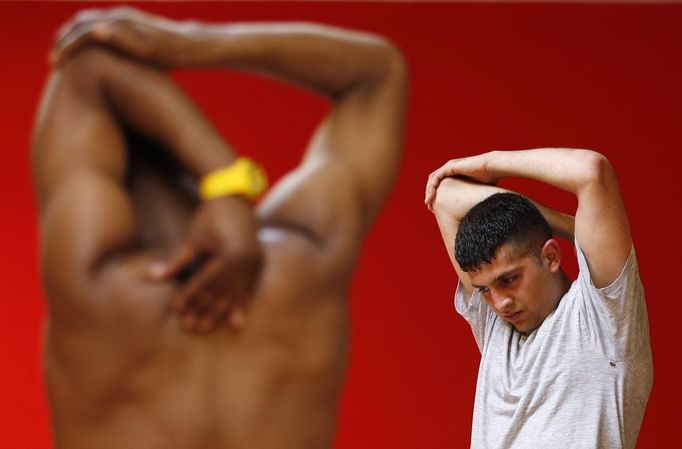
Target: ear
(551,255)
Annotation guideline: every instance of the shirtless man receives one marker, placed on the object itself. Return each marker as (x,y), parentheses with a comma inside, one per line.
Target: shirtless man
(238,337)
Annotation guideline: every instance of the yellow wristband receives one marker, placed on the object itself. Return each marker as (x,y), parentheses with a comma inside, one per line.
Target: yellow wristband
(242,177)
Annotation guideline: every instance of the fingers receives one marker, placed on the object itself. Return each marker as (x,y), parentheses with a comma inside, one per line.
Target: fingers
(432,184)
(183,258)
(74,34)
(213,296)
(213,312)
(431,187)
(216,313)
(200,282)
(88,27)
(197,304)
(226,273)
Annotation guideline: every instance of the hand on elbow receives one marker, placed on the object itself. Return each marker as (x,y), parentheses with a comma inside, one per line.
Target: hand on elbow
(448,196)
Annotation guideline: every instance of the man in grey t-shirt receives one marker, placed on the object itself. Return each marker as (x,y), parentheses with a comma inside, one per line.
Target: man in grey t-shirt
(565,365)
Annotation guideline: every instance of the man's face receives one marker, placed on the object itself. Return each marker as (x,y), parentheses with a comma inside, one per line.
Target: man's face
(519,288)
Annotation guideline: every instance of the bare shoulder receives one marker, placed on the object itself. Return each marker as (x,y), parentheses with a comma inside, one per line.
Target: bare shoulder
(316,227)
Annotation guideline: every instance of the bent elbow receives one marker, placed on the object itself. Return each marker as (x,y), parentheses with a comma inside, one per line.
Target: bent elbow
(395,60)
(597,168)
(392,66)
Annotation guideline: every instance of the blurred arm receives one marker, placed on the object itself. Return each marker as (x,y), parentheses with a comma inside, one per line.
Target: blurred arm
(79,162)
(357,145)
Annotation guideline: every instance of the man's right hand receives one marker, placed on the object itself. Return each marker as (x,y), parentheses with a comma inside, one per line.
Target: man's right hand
(223,258)
(146,37)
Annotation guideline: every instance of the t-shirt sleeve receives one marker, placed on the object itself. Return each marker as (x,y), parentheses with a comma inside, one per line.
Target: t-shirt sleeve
(616,314)
(475,311)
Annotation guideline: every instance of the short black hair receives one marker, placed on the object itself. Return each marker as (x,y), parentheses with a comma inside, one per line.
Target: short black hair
(499,219)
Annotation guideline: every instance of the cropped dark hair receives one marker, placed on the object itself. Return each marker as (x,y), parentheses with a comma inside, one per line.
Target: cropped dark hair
(499,219)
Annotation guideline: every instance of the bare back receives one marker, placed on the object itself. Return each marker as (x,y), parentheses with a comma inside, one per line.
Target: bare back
(120,371)
(274,383)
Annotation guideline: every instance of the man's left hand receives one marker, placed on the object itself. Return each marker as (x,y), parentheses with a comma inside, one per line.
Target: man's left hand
(474,168)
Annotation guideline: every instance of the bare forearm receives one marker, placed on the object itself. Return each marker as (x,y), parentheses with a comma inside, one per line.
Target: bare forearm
(328,60)
(572,170)
(561,224)
(365,77)
(586,174)
(147,100)
(455,197)
(363,74)
(600,224)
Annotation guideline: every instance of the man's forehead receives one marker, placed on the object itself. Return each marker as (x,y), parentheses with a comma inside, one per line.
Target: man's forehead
(488,272)
(506,261)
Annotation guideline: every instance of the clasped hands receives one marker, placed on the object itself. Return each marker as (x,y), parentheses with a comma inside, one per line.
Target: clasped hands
(224,259)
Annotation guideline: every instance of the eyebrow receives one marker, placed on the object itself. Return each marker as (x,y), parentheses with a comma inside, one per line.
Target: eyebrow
(497,279)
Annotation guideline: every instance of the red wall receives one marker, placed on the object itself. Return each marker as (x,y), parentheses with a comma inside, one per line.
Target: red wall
(484,76)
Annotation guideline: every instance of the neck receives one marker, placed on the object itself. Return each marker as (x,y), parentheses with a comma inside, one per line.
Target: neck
(561,286)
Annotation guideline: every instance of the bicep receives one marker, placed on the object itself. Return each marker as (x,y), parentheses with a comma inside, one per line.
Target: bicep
(601,224)
(324,220)
(364,134)
(78,164)
(87,220)
(454,198)
(347,170)
(448,226)
(74,131)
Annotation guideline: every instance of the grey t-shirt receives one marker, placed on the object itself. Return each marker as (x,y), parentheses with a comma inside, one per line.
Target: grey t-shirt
(581,380)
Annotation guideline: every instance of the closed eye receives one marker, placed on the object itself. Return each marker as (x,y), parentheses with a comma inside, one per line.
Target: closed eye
(507,280)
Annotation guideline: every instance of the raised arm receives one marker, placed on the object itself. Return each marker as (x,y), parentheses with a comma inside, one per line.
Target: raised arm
(80,163)
(353,156)
(601,225)
(453,198)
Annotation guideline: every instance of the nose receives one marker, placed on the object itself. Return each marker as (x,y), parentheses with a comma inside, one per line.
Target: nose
(501,300)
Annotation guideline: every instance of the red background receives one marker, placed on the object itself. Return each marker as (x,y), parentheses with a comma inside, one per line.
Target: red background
(484,76)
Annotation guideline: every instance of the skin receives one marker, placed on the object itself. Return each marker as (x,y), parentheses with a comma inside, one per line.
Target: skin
(516,287)
(522,289)
(247,348)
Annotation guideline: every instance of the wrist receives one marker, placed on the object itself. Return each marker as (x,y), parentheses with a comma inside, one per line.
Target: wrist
(490,163)
(210,44)
(242,177)
(197,43)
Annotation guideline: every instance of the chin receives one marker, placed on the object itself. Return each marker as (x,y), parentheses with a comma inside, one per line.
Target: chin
(525,328)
